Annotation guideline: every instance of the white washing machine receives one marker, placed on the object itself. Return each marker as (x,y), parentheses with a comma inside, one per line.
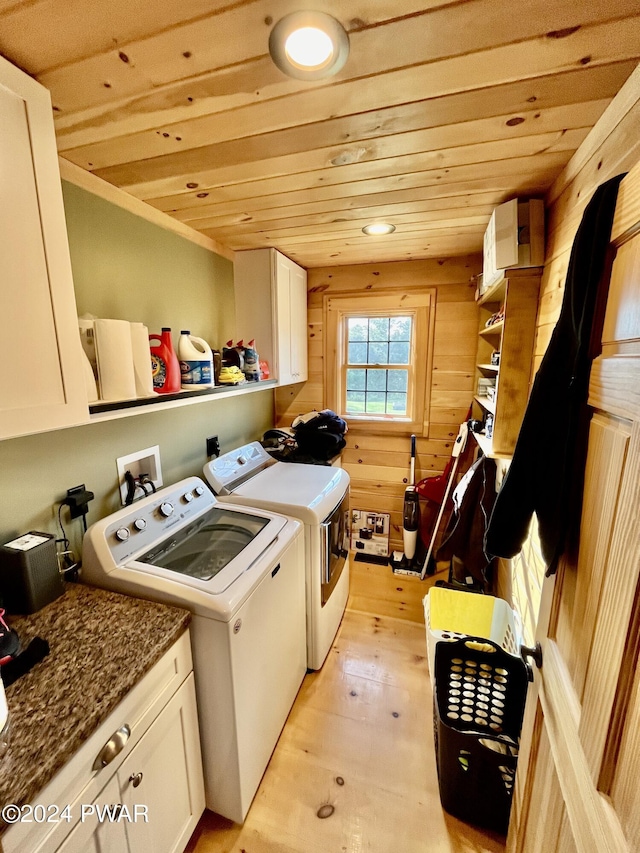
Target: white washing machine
(241,574)
(318,495)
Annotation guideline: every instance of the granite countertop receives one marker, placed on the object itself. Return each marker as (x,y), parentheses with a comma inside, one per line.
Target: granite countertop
(101,644)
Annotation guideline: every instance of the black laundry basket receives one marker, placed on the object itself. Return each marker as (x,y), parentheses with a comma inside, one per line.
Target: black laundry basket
(479,698)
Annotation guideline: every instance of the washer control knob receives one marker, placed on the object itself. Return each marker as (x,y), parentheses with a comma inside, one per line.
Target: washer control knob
(140,523)
(166,509)
(198,491)
(241,460)
(187,497)
(122,534)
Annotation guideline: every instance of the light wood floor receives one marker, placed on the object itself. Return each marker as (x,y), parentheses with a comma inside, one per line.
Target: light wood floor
(358,738)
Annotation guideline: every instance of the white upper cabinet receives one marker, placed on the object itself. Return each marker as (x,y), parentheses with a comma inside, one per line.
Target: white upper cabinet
(41,379)
(271,306)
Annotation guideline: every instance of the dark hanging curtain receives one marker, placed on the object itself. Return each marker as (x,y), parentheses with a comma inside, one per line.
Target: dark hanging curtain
(546,475)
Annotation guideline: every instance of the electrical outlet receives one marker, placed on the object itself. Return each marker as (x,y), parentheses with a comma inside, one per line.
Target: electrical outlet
(77,500)
(142,462)
(213,446)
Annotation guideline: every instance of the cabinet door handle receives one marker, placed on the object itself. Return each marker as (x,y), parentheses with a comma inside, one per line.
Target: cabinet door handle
(112,747)
(135,779)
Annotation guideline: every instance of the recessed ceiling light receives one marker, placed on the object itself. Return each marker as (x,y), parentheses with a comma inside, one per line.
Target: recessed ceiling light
(378,228)
(309,45)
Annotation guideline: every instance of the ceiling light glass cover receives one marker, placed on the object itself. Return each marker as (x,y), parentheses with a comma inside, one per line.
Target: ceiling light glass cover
(309,45)
(378,228)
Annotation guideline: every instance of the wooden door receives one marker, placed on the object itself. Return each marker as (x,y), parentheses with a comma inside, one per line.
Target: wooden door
(577,785)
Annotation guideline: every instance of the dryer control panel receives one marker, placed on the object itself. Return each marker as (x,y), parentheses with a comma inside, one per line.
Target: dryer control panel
(231,469)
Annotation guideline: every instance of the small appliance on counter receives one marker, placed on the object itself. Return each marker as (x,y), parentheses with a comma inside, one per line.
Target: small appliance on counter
(29,573)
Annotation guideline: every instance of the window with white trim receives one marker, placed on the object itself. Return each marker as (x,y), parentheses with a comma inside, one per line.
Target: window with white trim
(378,358)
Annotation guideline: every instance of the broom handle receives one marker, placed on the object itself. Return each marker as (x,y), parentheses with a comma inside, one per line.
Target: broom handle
(412,477)
(439,519)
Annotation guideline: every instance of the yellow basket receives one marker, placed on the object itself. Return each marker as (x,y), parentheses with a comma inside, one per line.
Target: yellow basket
(450,614)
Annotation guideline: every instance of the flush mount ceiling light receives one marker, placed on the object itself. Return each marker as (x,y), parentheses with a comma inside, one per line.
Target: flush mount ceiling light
(378,228)
(309,45)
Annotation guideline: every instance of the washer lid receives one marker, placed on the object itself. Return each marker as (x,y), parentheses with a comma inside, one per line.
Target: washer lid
(212,552)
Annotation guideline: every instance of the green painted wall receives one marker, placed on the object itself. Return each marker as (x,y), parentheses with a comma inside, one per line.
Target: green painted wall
(127,268)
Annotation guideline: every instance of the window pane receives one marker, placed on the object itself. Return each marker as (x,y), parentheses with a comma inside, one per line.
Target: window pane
(396,404)
(378,353)
(357,353)
(378,391)
(400,329)
(397,380)
(358,328)
(379,329)
(375,403)
(355,401)
(399,352)
(376,380)
(356,380)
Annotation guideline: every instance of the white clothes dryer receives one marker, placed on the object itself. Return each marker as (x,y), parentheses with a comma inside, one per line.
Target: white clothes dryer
(318,495)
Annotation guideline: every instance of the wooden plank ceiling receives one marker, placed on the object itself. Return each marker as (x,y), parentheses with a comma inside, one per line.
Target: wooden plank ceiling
(443,110)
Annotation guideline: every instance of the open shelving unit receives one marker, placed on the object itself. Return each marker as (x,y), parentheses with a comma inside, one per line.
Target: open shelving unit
(516,290)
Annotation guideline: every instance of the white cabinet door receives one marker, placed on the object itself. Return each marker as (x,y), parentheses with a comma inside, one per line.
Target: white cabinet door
(291,320)
(41,379)
(100,831)
(162,778)
(298,302)
(271,306)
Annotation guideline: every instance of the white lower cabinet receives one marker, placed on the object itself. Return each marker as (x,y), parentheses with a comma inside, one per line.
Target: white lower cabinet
(157,787)
(149,796)
(92,835)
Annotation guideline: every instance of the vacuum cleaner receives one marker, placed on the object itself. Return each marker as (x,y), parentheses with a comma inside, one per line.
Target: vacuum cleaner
(404,564)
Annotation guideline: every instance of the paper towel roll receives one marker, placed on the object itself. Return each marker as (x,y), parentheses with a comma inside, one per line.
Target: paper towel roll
(115,359)
(142,360)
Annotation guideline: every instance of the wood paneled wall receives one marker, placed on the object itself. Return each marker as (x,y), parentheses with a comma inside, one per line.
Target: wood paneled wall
(612,147)
(379,464)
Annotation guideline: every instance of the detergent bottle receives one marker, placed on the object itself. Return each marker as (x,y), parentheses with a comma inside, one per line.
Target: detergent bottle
(196,362)
(165,366)
(251,368)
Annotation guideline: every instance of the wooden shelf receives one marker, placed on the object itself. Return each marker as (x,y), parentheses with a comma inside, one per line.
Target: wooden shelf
(514,337)
(496,329)
(108,411)
(487,404)
(495,293)
(486,445)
